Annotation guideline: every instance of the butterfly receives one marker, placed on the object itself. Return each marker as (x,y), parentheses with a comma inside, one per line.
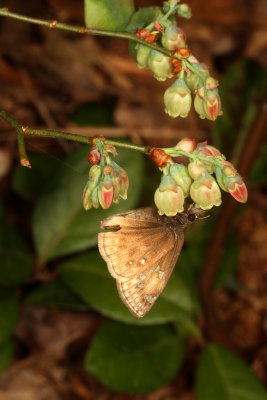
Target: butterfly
(141,250)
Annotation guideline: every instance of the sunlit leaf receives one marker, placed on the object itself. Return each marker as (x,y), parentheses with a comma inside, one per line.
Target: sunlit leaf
(134,359)
(221,375)
(61,226)
(108,15)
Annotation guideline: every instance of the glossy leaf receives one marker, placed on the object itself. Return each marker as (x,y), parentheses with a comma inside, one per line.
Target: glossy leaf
(8,315)
(88,276)
(108,15)
(134,359)
(6,354)
(16,260)
(56,294)
(143,17)
(61,226)
(222,375)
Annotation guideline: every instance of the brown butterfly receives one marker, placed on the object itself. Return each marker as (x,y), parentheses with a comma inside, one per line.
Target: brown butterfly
(141,252)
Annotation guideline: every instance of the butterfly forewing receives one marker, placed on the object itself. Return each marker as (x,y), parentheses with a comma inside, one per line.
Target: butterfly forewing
(140,254)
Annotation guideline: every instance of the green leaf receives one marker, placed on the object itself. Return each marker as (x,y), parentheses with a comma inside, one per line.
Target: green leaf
(142,17)
(6,354)
(88,276)
(134,359)
(221,375)
(56,294)
(31,183)
(8,315)
(109,15)
(60,224)
(16,260)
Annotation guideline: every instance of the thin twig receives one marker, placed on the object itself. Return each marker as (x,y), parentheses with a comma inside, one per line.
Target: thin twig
(97,32)
(20,138)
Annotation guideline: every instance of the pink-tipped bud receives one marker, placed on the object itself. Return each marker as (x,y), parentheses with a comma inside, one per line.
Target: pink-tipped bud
(122,181)
(94,156)
(196,169)
(212,104)
(235,185)
(169,197)
(106,190)
(91,186)
(173,38)
(188,145)
(205,150)
(205,192)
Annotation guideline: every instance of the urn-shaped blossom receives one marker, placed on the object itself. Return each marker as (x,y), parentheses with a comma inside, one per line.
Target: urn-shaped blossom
(160,65)
(196,169)
(177,99)
(142,54)
(105,188)
(173,38)
(169,197)
(212,104)
(205,192)
(181,176)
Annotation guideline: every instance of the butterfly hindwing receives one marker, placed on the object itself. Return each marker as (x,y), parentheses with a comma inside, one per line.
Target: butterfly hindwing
(140,254)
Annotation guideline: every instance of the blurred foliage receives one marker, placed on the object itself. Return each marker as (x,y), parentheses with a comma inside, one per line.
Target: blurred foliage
(134,359)
(223,375)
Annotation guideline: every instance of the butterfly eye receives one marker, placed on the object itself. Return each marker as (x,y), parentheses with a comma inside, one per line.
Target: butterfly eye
(191,217)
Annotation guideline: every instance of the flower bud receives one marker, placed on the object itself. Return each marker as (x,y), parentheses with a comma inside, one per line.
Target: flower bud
(142,54)
(212,104)
(187,145)
(199,107)
(211,83)
(237,188)
(205,150)
(94,156)
(193,79)
(169,197)
(177,99)
(160,65)
(205,192)
(173,38)
(91,185)
(160,157)
(181,176)
(105,189)
(122,180)
(184,11)
(196,169)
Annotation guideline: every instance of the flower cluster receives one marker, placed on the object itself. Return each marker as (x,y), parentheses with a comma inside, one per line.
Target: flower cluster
(107,182)
(202,179)
(193,77)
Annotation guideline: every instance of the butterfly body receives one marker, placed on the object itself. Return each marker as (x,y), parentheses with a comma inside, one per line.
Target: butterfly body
(141,250)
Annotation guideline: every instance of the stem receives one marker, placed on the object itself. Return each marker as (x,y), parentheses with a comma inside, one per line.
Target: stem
(25,131)
(82,29)
(24,161)
(97,32)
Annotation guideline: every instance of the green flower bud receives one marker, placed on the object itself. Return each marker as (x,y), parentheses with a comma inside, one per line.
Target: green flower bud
(196,169)
(198,105)
(177,99)
(181,176)
(184,11)
(205,192)
(105,189)
(173,38)
(92,183)
(160,65)
(169,197)
(142,55)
